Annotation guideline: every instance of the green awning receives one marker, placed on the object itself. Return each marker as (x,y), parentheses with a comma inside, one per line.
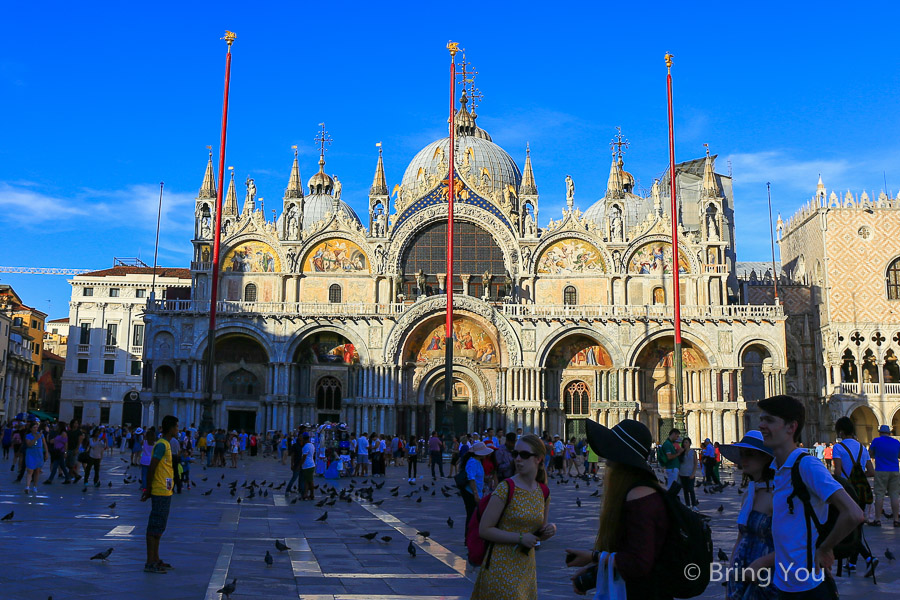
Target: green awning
(42,415)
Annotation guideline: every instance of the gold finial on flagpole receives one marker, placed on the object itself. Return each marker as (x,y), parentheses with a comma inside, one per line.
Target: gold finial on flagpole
(453,47)
(669,58)
(229,37)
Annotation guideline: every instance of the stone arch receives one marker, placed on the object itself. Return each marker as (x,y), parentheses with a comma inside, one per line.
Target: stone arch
(752,379)
(403,235)
(164,346)
(293,343)
(461,367)
(434,305)
(164,380)
(866,420)
(892,278)
(549,343)
(777,360)
(637,347)
(849,366)
(548,241)
(229,327)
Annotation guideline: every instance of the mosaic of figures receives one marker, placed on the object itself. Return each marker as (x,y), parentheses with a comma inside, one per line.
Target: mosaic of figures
(656,259)
(579,351)
(252,257)
(327,348)
(469,341)
(571,256)
(336,255)
(660,354)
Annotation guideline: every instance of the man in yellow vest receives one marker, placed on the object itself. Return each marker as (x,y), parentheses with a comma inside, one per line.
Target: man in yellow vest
(161,479)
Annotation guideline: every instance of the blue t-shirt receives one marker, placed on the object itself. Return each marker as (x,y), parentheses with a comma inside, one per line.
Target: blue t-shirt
(475,472)
(886,452)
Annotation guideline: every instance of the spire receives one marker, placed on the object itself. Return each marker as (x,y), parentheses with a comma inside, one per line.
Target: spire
(208,188)
(820,188)
(528,187)
(230,207)
(614,187)
(710,185)
(295,187)
(379,185)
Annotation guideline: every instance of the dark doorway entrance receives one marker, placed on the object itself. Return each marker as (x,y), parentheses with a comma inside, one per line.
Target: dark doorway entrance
(131,413)
(242,419)
(329,418)
(576,428)
(459,414)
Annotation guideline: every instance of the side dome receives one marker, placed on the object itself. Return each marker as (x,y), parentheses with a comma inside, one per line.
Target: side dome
(316,206)
(479,161)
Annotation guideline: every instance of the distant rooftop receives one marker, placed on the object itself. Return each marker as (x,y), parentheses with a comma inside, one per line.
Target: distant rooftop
(743,269)
(121,271)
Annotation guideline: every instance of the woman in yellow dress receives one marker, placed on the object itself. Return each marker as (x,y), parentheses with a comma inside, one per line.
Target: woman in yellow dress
(508,571)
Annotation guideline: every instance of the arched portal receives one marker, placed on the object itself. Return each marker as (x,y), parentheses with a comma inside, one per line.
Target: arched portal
(656,364)
(131,410)
(577,369)
(329,393)
(242,365)
(163,380)
(457,420)
(753,381)
(866,424)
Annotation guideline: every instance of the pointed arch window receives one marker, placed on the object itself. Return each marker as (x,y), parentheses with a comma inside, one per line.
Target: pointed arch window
(328,394)
(570,295)
(577,398)
(893,280)
(250,292)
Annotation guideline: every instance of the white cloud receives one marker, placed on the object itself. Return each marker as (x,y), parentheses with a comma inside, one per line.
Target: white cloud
(777,166)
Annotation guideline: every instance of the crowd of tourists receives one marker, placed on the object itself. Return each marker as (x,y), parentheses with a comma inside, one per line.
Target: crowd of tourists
(785,547)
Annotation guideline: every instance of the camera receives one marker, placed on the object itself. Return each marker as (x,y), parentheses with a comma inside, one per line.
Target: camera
(587,580)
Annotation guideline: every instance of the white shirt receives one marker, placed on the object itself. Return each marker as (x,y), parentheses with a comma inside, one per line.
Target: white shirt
(308,456)
(789,530)
(363,445)
(846,459)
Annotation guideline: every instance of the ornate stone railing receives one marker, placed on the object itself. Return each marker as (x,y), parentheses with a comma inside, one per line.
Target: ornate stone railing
(512,311)
(870,389)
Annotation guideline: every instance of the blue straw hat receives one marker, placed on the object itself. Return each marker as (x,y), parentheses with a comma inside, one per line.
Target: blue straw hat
(752,440)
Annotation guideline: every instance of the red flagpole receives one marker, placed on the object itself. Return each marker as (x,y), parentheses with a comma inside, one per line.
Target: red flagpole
(206,422)
(448,326)
(676,262)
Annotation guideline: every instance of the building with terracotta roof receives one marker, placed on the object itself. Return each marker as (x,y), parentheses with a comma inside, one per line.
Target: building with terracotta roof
(28,327)
(105,340)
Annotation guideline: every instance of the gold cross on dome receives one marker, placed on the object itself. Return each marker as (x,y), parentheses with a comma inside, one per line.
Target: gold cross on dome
(323,138)
(618,142)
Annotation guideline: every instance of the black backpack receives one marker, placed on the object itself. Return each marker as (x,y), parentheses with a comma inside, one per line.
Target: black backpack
(687,553)
(851,545)
(461,479)
(857,478)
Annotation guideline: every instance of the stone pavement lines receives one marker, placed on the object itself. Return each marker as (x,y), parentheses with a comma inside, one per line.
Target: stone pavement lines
(220,572)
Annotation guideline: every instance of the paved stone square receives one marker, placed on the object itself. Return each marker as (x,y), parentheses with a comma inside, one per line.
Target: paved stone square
(213,539)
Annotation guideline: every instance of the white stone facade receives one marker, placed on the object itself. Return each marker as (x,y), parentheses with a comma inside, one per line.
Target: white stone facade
(102,379)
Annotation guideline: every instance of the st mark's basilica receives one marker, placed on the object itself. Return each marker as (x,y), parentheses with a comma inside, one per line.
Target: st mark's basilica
(323,316)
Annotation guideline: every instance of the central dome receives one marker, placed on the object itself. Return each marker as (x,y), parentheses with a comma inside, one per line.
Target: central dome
(479,162)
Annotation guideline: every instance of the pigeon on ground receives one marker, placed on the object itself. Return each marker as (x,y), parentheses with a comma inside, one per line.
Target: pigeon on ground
(239,501)
(84,490)
(369,536)
(207,493)
(321,502)
(113,505)
(228,589)
(424,534)
(378,503)
(281,546)
(269,560)
(887,553)
(720,509)
(324,517)
(386,538)
(722,556)
(294,501)
(450,522)
(110,484)
(394,489)
(411,549)
(419,499)
(596,493)
(102,555)
(578,502)
(8,516)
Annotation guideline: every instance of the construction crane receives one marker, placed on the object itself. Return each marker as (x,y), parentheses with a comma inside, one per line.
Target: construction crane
(117,262)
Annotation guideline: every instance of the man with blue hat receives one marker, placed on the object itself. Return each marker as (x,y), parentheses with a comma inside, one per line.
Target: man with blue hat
(886,452)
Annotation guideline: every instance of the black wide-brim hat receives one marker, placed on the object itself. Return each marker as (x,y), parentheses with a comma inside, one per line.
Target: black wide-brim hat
(627,443)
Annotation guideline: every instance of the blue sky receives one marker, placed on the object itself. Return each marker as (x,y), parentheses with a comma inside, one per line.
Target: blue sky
(101,102)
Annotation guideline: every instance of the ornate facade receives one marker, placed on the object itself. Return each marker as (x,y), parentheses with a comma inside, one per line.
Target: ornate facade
(321,318)
(844,252)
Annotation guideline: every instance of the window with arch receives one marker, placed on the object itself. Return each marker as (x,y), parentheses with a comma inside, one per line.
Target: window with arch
(577,398)
(570,295)
(328,394)
(241,384)
(334,293)
(250,292)
(893,280)
(659,295)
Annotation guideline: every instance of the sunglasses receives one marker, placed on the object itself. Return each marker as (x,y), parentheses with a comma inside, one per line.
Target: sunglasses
(525,455)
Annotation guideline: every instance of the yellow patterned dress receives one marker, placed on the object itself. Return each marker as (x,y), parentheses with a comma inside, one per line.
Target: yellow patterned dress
(511,574)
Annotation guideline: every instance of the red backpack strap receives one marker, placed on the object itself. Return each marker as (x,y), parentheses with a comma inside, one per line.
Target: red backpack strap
(545,490)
